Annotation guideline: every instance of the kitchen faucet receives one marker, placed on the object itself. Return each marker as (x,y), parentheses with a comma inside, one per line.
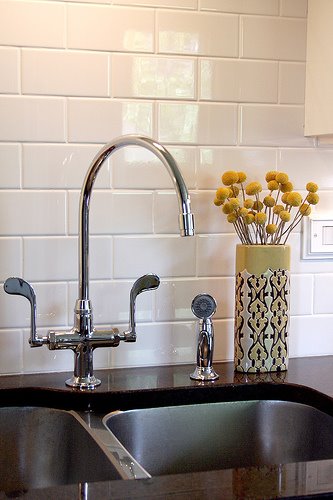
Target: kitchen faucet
(83,338)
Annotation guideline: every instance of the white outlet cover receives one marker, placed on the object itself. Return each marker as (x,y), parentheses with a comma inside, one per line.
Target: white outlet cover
(317,236)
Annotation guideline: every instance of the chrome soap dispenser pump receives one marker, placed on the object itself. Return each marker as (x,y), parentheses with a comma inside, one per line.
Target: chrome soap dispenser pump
(204,307)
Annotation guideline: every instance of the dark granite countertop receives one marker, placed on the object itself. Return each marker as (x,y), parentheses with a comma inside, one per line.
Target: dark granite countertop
(308,380)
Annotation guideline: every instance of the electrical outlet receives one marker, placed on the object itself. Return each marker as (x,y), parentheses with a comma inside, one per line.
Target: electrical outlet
(317,236)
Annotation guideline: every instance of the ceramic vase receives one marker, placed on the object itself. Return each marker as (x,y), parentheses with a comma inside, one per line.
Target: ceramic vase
(262,308)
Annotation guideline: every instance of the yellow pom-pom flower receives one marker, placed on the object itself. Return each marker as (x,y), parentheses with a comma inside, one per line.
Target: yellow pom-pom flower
(249,219)
(305,209)
(277,209)
(234,202)
(286,187)
(294,199)
(248,203)
(269,201)
(227,208)
(282,178)
(273,185)
(284,216)
(218,202)
(234,191)
(312,187)
(230,177)
(312,198)
(260,218)
(222,193)
(258,205)
(271,228)
(243,212)
(232,217)
(284,197)
(253,188)
(241,177)
(270,176)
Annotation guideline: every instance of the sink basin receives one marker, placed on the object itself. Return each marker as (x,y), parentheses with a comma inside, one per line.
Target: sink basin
(41,447)
(223,435)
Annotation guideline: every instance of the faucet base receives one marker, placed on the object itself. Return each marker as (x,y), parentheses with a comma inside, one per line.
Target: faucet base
(204,373)
(89,382)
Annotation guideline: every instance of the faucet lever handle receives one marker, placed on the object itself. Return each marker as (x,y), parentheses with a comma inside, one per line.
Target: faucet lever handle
(18,286)
(143,284)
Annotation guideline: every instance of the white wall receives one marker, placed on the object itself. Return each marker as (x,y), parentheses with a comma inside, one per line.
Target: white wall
(221,84)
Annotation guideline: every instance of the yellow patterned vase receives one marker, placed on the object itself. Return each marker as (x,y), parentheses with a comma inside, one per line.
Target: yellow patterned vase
(262,308)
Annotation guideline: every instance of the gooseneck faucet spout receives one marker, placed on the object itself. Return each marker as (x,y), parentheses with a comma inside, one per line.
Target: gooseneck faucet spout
(83,338)
(185,216)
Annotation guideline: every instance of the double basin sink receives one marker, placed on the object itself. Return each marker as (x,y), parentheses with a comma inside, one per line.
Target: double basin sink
(41,447)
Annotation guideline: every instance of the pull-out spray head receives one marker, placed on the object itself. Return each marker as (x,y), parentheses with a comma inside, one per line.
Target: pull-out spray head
(204,307)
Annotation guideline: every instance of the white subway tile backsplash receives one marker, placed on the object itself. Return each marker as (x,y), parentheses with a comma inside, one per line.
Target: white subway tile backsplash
(137,76)
(294,8)
(221,84)
(60,166)
(110,28)
(273,38)
(197,33)
(273,126)
(158,344)
(174,298)
(316,166)
(11,351)
(10,165)
(203,123)
(34,24)
(68,73)
(168,256)
(32,119)
(100,120)
(9,63)
(269,7)
(115,213)
(214,161)
(292,83)
(10,257)
(138,168)
(32,213)
(238,80)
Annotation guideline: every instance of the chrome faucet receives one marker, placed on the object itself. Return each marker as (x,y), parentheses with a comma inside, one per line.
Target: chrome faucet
(83,338)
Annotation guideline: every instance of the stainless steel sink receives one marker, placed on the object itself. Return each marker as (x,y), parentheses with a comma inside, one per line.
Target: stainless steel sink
(42,447)
(212,436)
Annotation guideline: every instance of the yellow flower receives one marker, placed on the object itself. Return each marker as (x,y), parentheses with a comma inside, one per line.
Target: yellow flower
(234,202)
(222,193)
(294,199)
(243,212)
(258,205)
(253,188)
(260,218)
(229,177)
(269,201)
(231,217)
(218,202)
(273,185)
(286,187)
(305,209)
(312,187)
(284,197)
(282,178)
(248,203)
(271,228)
(312,198)
(249,219)
(270,176)
(284,216)
(234,190)
(227,208)
(241,177)
(277,209)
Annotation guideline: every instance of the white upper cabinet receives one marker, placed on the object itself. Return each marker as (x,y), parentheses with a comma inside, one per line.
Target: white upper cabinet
(319,70)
